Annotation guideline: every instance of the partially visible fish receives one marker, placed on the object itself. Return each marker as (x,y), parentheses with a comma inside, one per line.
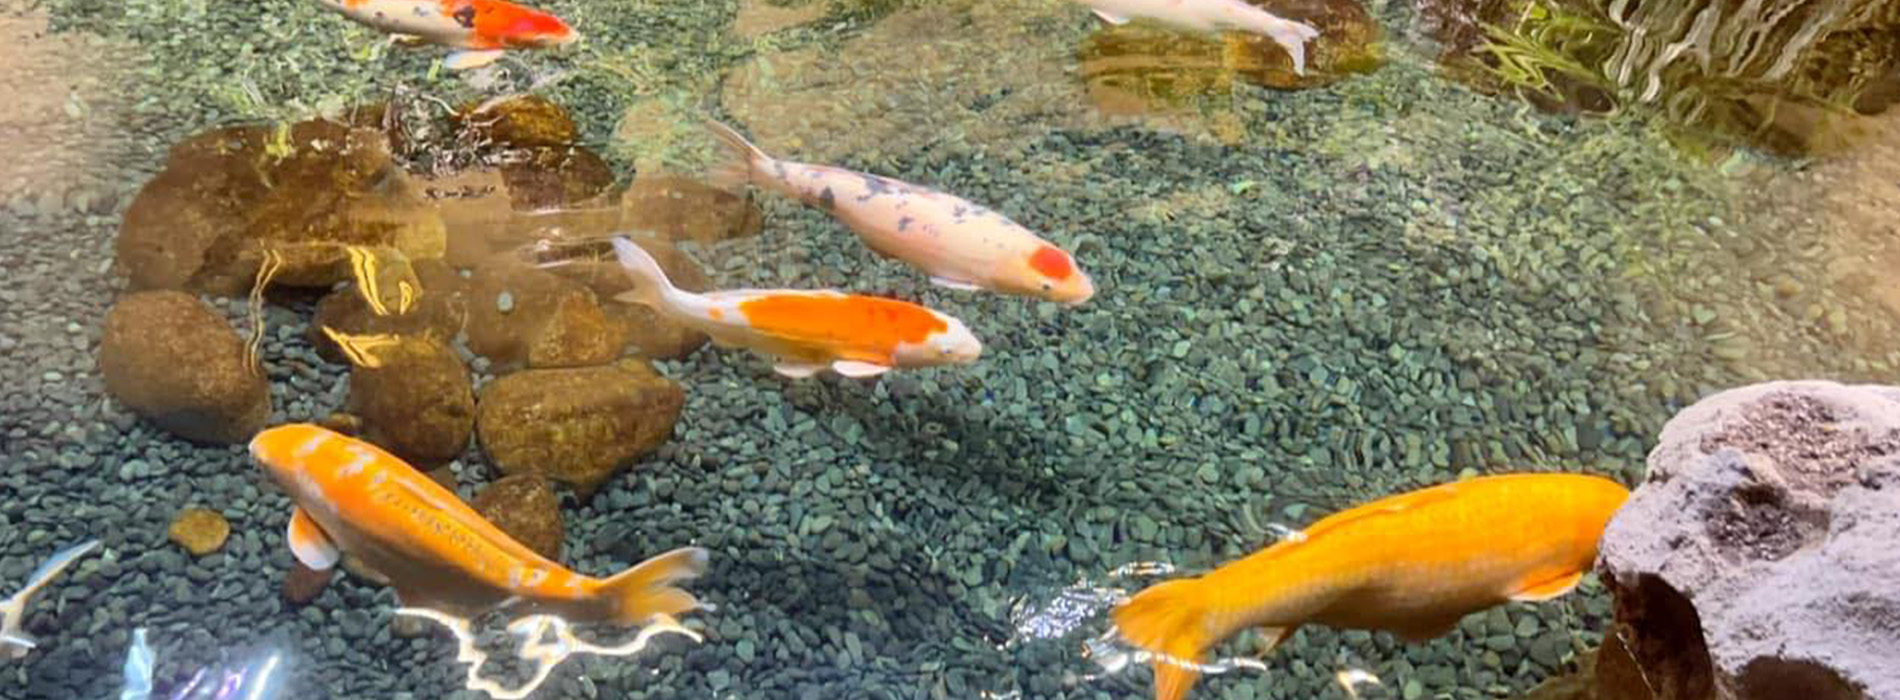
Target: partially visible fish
(15,642)
(353,497)
(1214,15)
(961,245)
(480,30)
(806,331)
(1411,564)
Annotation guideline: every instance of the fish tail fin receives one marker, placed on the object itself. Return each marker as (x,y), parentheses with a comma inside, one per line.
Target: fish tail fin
(1169,618)
(650,285)
(745,160)
(639,594)
(1292,36)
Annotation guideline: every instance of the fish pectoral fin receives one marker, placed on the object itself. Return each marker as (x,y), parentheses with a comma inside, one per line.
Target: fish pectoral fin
(465,60)
(958,285)
(858,370)
(1548,589)
(310,543)
(795,370)
(1111,17)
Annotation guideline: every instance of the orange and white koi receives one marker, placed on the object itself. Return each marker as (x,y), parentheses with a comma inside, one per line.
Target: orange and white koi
(1214,15)
(480,30)
(1411,564)
(352,497)
(806,331)
(961,245)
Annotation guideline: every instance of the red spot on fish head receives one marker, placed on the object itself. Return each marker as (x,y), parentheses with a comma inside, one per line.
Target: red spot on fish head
(1057,278)
(1052,263)
(508,24)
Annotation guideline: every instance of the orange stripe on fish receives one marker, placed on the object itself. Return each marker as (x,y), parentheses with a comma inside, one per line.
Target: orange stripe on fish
(806,331)
(353,497)
(1411,564)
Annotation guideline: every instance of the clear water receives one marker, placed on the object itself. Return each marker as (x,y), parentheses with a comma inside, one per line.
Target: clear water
(1306,299)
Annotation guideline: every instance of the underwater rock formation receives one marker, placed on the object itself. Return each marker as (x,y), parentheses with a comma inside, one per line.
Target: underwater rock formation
(578,426)
(301,195)
(436,309)
(526,507)
(656,337)
(1758,560)
(170,358)
(414,398)
(683,209)
(1141,66)
(520,315)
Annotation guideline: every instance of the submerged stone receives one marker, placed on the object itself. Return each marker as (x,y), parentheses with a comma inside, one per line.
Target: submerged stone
(170,358)
(579,426)
(415,399)
(299,198)
(526,507)
(682,209)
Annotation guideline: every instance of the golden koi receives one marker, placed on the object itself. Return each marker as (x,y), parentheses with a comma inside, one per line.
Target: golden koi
(806,331)
(479,30)
(353,497)
(1411,564)
(1213,15)
(961,245)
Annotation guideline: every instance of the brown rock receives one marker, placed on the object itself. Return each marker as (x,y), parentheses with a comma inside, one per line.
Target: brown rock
(199,531)
(578,426)
(526,507)
(434,307)
(521,122)
(303,584)
(653,335)
(680,209)
(523,315)
(416,400)
(554,178)
(170,358)
(1604,673)
(231,197)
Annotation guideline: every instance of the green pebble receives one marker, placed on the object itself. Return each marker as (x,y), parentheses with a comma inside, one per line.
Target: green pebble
(1413,689)
(745,649)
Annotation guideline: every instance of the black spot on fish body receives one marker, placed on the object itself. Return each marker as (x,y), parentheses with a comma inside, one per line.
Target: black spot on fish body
(465,16)
(826,199)
(903,223)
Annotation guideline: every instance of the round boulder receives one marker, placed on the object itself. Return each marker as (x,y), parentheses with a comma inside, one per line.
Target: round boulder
(414,398)
(579,426)
(172,359)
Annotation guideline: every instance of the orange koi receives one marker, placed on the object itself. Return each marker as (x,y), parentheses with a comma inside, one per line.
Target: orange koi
(479,30)
(806,331)
(1411,564)
(353,497)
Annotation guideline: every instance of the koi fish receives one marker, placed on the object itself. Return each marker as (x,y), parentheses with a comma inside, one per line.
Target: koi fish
(961,245)
(805,331)
(1411,564)
(353,497)
(480,31)
(1214,15)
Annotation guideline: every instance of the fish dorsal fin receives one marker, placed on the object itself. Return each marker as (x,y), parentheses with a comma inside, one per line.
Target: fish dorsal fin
(310,543)
(1387,506)
(1548,588)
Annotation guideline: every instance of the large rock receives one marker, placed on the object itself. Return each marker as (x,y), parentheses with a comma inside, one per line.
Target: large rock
(579,426)
(654,336)
(1759,560)
(415,399)
(231,198)
(170,358)
(682,209)
(521,315)
(434,307)
(526,507)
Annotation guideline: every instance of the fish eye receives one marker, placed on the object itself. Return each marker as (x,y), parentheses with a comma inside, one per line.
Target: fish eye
(1046,285)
